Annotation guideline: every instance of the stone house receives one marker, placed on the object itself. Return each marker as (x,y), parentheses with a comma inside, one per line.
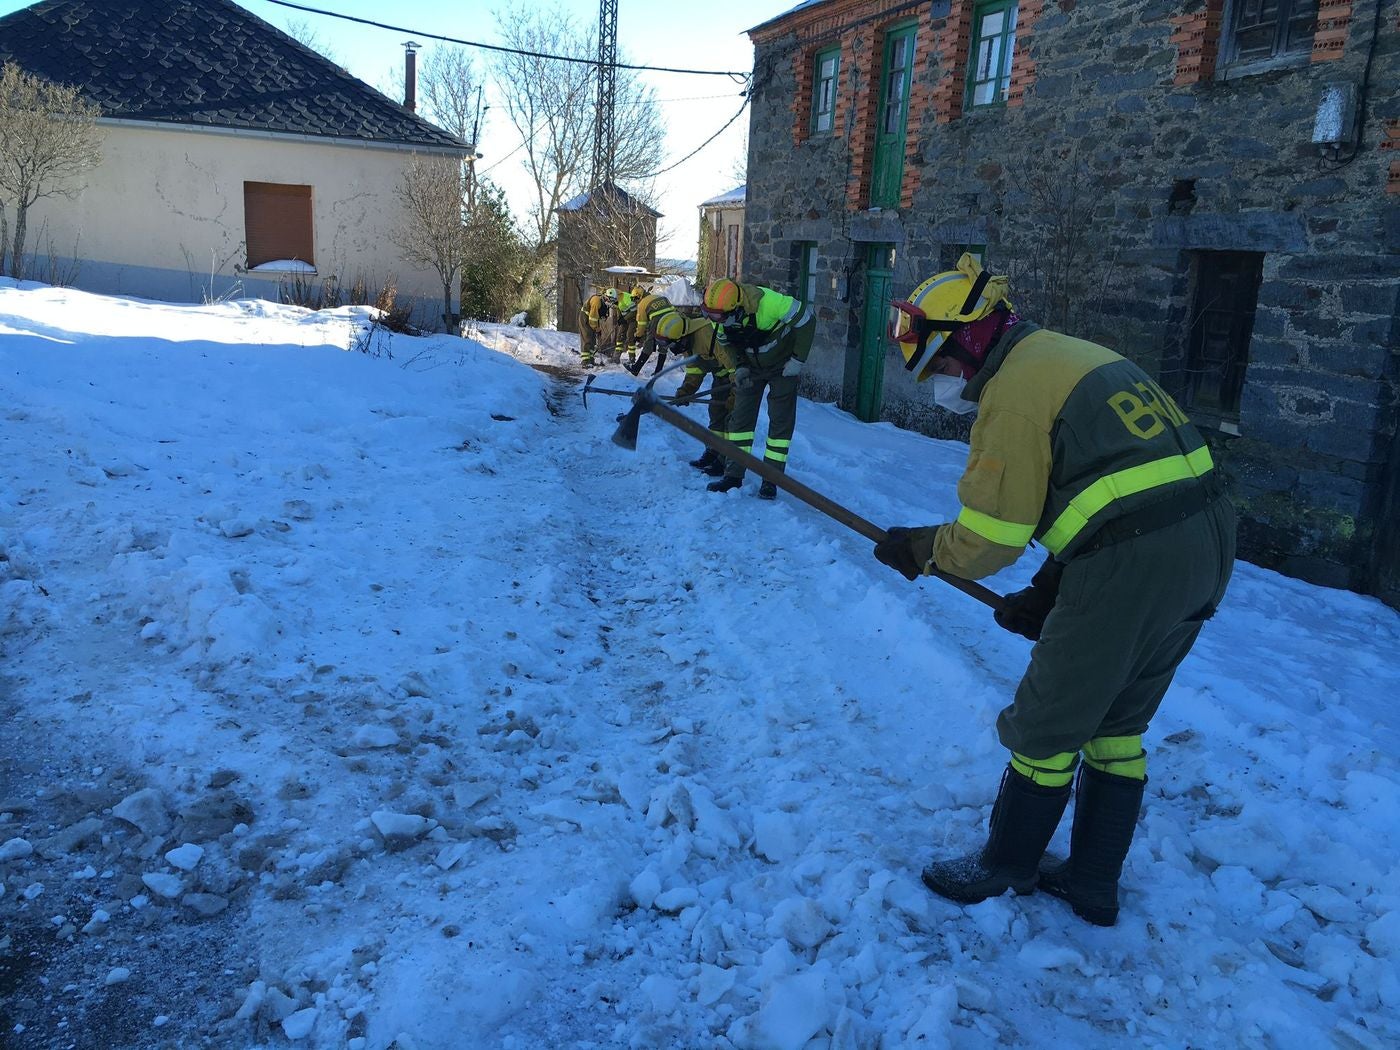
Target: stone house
(601,228)
(721,247)
(235,161)
(1212,187)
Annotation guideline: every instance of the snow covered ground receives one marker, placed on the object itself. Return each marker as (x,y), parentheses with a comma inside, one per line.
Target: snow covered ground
(379,700)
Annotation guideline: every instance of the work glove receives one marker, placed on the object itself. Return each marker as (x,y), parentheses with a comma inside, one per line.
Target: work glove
(743,378)
(792,367)
(907,551)
(1025,610)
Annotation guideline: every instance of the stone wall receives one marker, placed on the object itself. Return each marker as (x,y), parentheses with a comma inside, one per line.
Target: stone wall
(1124,118)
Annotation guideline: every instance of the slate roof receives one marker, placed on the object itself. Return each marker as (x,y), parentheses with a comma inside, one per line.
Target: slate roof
(203,63)
(624,198)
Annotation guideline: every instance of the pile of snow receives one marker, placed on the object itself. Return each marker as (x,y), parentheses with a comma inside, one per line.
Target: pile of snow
(381,700)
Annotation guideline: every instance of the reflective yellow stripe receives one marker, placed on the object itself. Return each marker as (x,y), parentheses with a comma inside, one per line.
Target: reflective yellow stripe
(743,435)
(779,442)
(1116,486)
(691,370)
(776,457)
(1122,756)
(1007,533)
(1055,771)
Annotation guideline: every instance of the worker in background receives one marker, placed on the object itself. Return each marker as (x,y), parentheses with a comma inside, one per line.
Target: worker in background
(1081,450)
(595,312)
(649,308)
(696,337)
(764,337)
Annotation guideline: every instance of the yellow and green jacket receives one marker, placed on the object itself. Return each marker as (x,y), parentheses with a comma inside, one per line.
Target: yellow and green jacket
(701,341)
(762,338)
(649,307)
(1069,435)
(594,310)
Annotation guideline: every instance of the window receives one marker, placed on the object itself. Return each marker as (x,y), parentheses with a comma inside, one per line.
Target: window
(824,81)
(277,223)
(993,45)
(899,63)
(887,171)
(807,271)
(1222,321)
(1265,29)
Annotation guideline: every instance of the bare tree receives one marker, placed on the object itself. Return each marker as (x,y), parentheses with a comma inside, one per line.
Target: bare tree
(433,232)
(48,142)
(302,32)
(553,105)
(449,91)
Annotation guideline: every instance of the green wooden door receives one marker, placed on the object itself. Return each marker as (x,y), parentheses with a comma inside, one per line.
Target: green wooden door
(870,386)
(893,116)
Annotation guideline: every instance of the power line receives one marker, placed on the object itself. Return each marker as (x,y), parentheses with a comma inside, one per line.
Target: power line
(497,47)
(702,145)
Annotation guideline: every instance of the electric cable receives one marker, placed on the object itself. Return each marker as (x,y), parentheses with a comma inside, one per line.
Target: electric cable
(739,77)
(697,149)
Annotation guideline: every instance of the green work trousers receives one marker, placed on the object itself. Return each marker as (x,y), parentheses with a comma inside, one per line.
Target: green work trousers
(782,416)
(1126,616)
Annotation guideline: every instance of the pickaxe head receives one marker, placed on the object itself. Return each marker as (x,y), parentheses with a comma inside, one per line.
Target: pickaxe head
(626,433)
(586,385)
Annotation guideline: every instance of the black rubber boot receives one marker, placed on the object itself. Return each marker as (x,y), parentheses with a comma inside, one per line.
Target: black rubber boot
(768,491)
(707,460)
(717,468)
(1105,817)
(633,367)
(1023,821)
(724,484)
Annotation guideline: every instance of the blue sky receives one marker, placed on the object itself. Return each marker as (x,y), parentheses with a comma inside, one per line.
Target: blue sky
(707,35)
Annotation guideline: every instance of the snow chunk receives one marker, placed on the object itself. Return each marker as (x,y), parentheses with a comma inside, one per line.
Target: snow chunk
(375,736)
(1047,955)
(299,1025)
(794,1009)
(801,922)
(775,838)
(145,810)
(645,887)
(14,849)
(676,900)
(401,830)
(117,975)
(186,857)
(164,884)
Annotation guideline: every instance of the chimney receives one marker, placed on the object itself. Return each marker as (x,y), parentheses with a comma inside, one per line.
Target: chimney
(410,75)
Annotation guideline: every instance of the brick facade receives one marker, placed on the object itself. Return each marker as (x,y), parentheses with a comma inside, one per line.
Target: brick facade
(1175,160)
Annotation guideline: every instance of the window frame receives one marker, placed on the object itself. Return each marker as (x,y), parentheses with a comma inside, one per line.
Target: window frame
(981,9)
(834,54)
(807,271)
(1230,49)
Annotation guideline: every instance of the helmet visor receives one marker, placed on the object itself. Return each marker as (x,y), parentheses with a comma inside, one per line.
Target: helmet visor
(918,337)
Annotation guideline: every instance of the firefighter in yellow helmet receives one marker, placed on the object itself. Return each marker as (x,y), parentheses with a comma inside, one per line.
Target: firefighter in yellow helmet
(696,337)
(1081,450)
(649,309)
(764,337)
(596,311)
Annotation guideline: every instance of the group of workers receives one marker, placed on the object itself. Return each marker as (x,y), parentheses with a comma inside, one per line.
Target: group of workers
(1074,447)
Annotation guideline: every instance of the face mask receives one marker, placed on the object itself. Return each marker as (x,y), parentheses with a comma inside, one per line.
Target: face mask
(947,393)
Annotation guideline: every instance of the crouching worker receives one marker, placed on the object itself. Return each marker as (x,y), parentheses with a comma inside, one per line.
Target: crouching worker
(695,337)
(765,337)
(1081,450)
(596,310)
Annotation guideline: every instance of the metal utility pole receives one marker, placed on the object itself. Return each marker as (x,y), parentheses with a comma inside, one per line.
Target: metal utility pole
(605,128)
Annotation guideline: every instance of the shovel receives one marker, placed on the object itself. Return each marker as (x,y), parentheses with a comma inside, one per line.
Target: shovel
(646,400)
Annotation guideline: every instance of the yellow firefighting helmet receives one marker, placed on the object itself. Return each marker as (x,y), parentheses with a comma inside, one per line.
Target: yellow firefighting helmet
(941,305)
(670,327)
(721,299)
